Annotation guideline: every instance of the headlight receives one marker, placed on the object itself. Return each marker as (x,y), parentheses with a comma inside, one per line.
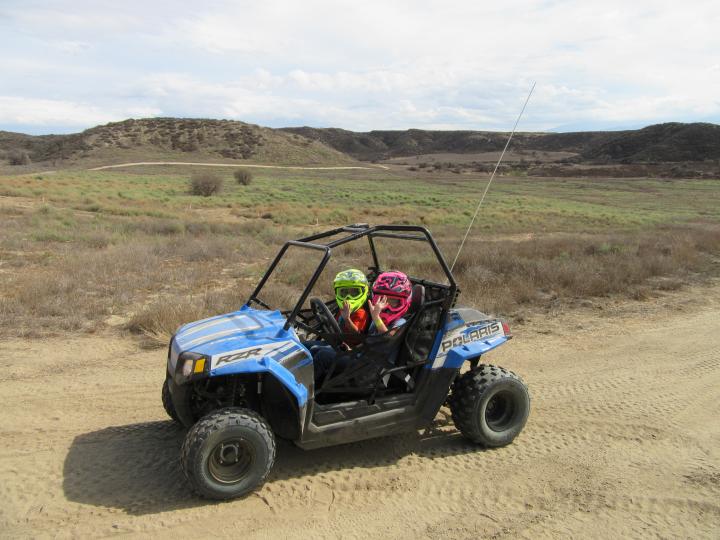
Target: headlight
(189,364)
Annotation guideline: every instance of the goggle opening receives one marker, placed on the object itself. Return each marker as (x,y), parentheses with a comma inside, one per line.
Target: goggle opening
(348,292)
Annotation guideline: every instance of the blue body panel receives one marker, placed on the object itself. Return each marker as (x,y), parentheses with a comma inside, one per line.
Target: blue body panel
(221,333)
(457,356)
(467,334)
(245,341)
(266,365)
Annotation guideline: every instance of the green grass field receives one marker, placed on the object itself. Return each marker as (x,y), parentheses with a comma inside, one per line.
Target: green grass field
(82,249)
(302,198)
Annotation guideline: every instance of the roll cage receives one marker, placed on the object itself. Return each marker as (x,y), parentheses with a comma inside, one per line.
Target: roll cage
(350,233)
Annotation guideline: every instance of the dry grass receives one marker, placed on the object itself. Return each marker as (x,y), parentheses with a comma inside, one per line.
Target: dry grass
(504,276)
(159,320)
(169,272)
(78,289)
(78,261)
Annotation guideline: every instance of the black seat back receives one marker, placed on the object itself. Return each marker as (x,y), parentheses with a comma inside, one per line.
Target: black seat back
(417,299)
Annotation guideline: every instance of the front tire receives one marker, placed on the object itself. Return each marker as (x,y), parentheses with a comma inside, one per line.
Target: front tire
(490,405)
(168,403)
(228,453)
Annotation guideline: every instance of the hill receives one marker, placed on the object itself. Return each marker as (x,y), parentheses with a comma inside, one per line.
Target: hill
(673,142)
(170,139)
(203,140)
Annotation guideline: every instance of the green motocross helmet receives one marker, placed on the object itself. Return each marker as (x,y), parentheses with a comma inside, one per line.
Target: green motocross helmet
(351,285)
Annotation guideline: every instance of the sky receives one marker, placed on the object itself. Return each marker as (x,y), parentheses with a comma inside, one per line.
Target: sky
(69,65)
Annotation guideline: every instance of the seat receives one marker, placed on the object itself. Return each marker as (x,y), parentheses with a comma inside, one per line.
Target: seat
(378,359)
(417,299)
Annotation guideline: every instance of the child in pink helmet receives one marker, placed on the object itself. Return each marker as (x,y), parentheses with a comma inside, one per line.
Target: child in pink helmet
(391,300)
(392,292)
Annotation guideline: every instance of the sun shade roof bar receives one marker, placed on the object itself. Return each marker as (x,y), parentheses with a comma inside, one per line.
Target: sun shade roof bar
(362,229)
(356,228)
(354,232)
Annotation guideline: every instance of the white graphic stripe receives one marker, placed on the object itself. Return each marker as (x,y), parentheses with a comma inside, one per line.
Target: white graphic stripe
(208,338)
(243,319)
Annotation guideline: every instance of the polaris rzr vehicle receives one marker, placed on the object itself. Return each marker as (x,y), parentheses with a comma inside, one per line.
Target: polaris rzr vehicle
(240,380)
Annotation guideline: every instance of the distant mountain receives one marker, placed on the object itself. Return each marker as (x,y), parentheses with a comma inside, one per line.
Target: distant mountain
(178,139)
(663,142)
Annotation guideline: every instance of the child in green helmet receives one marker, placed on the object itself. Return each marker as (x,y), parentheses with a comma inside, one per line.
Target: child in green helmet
(351,293)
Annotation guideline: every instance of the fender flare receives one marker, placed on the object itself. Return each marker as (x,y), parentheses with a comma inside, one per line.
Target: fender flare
(457,356)
(266,365)
(282,377)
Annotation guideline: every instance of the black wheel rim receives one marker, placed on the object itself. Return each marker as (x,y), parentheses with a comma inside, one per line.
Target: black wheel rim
(500,411)
(230,461)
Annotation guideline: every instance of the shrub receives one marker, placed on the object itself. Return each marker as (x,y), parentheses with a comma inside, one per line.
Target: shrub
(19,158)
(243,177)
(205,184)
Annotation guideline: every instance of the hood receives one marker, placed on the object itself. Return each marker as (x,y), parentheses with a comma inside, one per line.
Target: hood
(229,332)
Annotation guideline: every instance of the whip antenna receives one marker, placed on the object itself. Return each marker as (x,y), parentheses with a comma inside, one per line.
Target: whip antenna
(492,176)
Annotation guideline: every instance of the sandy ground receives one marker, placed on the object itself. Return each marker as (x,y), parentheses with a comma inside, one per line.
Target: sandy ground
(622,441)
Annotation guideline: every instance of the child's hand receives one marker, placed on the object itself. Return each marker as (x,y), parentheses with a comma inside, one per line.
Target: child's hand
(345,311)
(376,308)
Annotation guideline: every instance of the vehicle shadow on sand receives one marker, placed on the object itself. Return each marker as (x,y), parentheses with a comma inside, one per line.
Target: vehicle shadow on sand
(136,467)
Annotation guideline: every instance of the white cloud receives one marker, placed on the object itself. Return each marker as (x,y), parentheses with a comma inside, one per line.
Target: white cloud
(73,16)
(241,32)
(72,47)
(371,64)
(34,112)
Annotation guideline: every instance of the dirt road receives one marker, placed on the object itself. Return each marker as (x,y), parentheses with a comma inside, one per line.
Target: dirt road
(623,441)
(237,165)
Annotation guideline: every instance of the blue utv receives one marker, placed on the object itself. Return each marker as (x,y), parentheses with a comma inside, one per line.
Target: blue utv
(238,381)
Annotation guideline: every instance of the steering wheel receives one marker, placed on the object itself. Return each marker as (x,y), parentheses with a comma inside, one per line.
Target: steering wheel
(328,324)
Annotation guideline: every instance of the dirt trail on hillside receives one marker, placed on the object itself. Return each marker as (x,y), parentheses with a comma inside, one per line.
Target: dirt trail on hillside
(238,165)
(623,441)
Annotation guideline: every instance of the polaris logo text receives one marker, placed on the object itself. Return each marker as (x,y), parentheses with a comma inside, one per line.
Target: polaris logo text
(243,355)
(473,335)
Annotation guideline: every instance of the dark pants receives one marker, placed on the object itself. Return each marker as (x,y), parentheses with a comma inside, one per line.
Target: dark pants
(324,357)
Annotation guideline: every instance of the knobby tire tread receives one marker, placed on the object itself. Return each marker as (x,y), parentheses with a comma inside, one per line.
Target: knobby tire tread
(468,390)
(217,420)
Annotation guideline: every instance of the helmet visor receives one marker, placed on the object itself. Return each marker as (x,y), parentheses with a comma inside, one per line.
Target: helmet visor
(348,292)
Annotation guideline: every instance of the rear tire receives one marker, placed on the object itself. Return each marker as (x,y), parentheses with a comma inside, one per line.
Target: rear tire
(228,453)
(168,403)
(490,405)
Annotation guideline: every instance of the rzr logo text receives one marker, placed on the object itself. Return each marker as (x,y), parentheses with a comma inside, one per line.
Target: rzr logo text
(243,355)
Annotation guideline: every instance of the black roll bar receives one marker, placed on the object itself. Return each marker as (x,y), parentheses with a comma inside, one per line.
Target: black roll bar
(308,287)
(354,232)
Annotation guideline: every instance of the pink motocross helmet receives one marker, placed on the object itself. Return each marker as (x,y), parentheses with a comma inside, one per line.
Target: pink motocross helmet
(395,285)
